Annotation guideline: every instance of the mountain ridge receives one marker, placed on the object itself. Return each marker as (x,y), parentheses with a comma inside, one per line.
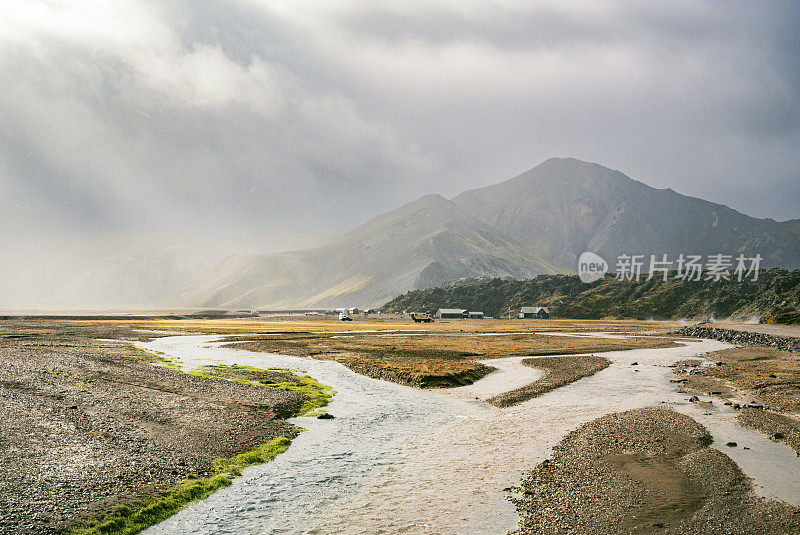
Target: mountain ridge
(581,206)
(537,222)
(420,244)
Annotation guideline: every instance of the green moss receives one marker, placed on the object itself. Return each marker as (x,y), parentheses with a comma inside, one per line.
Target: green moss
(319,395)
(158,358)
(150,510)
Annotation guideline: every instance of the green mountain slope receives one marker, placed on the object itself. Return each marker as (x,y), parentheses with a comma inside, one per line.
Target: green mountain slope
(421,244)
(568,297)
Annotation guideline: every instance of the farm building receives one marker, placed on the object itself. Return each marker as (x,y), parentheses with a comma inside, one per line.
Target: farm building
(534,312)
(476,315)
(451,313)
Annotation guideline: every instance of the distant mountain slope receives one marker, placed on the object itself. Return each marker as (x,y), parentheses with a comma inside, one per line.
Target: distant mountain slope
(538,222)
(568,297)
(565,206)
(421,244)
(792,226)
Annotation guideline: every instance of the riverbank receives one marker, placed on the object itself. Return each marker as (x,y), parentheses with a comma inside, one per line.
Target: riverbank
(763,383)
(394,457)
(743,336)
(644,471)
(88,425)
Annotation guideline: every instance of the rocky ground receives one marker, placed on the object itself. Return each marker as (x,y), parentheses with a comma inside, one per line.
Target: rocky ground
(763,383)
(775,329)
(558,372)
(85,425)
(742,337)
(644,471)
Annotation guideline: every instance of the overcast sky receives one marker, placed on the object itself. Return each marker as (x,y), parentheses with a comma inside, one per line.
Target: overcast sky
(249,114)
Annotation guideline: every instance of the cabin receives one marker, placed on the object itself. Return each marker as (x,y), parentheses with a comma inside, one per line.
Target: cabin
(541,313)
(452,313)
(475,315)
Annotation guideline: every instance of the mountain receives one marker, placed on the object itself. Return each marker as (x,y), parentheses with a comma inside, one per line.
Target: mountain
(424,243)
(567,297)
(566,206)
(792,226)
(538,222)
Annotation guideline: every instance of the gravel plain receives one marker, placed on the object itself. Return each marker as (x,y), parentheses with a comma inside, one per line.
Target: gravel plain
(86,425)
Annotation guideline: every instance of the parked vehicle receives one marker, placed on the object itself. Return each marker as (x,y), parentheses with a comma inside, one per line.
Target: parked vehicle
(419,317)
(343,316)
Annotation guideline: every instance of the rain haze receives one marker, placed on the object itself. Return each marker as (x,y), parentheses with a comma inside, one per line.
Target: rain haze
(272,125)
(133,115)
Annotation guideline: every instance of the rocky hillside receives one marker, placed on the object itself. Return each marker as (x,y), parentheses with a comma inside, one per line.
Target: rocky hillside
(568,297)
(565,206)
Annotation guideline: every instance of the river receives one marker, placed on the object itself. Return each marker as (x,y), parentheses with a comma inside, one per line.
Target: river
(402,460)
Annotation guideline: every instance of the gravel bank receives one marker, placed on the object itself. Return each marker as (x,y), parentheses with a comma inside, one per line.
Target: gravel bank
(85,425)
(559,371)
(740,337)
(644,471)
(762,382)
(778,427)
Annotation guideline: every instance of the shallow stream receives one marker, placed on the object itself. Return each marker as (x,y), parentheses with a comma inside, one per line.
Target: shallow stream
(403,460)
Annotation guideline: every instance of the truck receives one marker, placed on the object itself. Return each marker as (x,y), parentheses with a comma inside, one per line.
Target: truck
(421,317)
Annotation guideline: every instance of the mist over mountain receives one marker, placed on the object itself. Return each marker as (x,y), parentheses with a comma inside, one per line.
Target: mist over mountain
(117,270)
(536,223)
(421,244)
(127,270)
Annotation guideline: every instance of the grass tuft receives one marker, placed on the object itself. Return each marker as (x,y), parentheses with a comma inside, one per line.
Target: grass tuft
(127,519)
(132,518)
(318,394)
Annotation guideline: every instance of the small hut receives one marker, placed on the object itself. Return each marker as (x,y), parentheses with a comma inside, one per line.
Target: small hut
(541,313)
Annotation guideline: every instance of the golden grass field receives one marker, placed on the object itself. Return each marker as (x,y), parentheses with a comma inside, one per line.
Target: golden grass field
(443,353)
(316,324)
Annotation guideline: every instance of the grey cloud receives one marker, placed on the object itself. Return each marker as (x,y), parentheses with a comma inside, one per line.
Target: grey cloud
(244,115)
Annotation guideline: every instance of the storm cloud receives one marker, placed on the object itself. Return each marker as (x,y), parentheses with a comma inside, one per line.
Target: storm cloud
(242,115)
